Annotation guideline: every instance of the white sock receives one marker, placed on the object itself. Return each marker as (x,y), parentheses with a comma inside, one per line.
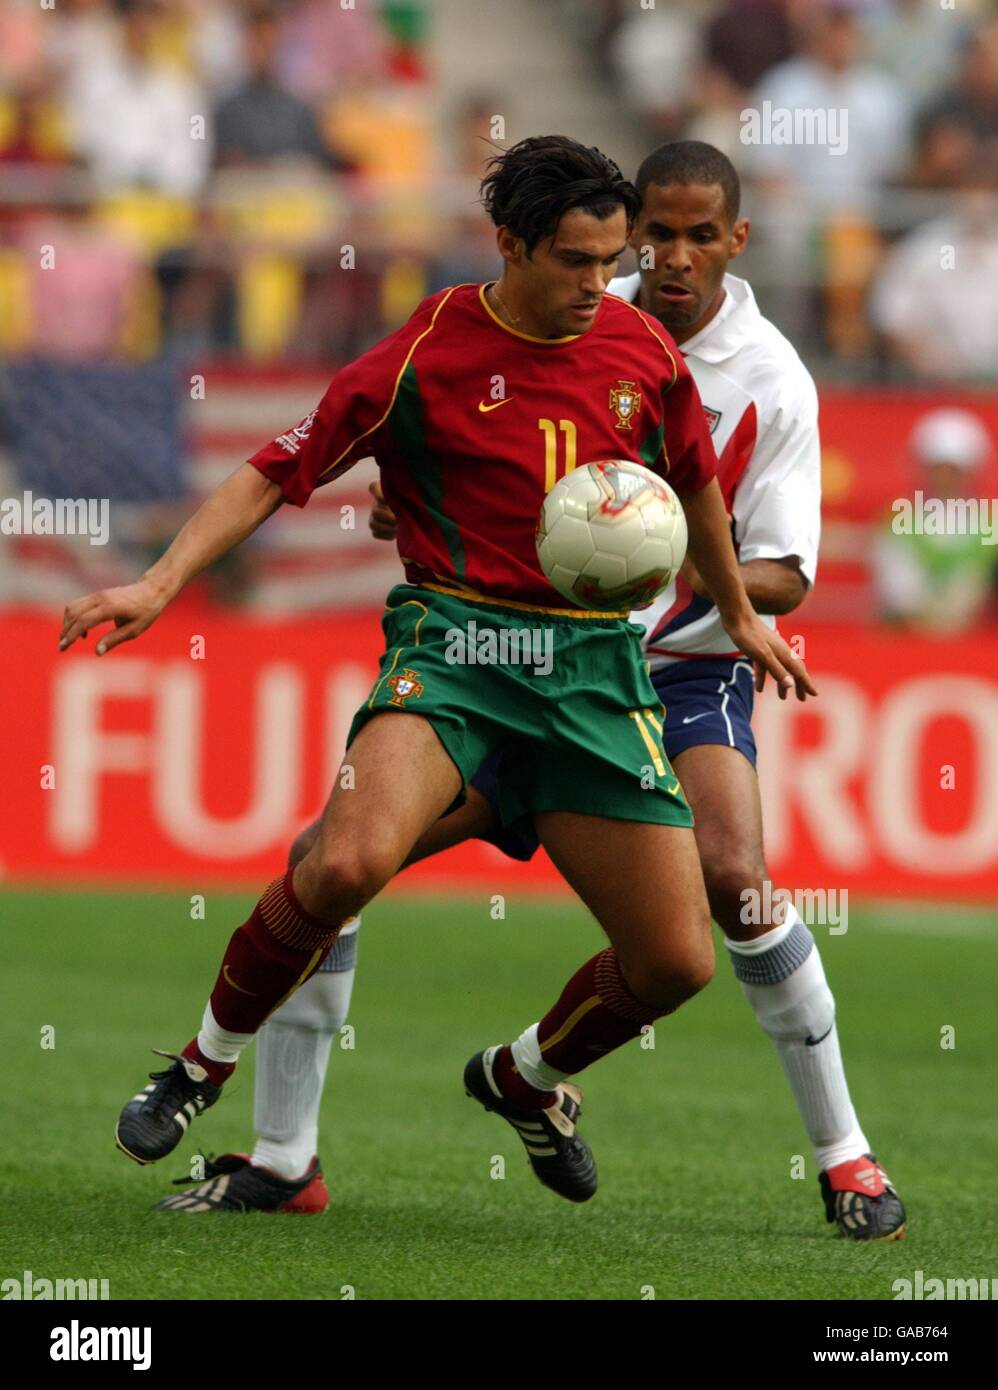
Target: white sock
(217,1043)
(291,1062)
(784,982)
(531,1065)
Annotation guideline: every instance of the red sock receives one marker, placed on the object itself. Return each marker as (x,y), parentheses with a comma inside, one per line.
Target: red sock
(514,1087)
(218,1072)
(596,1014)
(267,958)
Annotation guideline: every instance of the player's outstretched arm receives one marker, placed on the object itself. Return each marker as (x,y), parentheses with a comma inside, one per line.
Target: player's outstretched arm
(713,555)
(231,513)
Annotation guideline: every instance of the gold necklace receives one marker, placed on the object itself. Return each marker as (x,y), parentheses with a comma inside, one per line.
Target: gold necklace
(511,319)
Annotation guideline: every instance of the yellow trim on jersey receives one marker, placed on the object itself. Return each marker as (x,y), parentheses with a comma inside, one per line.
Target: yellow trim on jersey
(395,389)
(472,596)
(665,347)
(569,338)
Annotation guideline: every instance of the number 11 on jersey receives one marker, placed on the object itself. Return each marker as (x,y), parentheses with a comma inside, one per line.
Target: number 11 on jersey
(567,427)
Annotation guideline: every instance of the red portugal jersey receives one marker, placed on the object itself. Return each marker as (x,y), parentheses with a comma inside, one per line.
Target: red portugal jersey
(472,422)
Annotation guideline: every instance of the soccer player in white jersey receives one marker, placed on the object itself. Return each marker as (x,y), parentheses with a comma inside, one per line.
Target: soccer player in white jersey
(763,413)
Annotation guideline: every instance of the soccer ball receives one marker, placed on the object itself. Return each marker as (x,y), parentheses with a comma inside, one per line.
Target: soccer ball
(611,535)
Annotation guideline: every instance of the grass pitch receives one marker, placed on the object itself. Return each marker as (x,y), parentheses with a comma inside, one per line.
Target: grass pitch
(695,1139)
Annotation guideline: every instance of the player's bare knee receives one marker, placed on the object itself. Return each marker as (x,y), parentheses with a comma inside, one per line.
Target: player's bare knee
(735,894)
(666,981)
(341,879)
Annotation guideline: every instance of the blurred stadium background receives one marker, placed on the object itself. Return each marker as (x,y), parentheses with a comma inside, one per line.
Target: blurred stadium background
(205,206)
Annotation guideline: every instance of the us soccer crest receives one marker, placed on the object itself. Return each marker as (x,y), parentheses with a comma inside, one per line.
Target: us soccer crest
(625,402)
(407,686)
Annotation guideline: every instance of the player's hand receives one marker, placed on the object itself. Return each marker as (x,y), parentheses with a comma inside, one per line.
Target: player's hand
(382,521)
(769,652)
(132,608)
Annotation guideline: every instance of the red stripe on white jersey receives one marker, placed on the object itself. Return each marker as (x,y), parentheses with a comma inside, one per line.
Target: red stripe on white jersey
(736,454)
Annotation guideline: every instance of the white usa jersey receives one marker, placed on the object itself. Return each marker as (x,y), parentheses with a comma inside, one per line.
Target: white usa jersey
(762,408)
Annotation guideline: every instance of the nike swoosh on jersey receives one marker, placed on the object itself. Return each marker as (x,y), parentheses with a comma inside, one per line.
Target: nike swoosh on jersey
(494,406)
(690,717)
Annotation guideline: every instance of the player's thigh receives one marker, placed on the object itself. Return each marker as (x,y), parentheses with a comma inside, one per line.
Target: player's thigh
(402,779)
(643,884)
(474,818)
(722,788)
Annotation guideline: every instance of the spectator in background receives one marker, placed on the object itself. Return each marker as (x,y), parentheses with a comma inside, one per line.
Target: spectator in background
(655,55)
(963,124)
(130,114)
(938,582)
(748,37)
(261,120)
(819,184)
(832,76)
(916,41)
(742,42)
(936,296)
(81,308)
(324,45)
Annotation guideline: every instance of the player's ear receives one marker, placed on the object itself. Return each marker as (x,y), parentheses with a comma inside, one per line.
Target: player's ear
(738,239)
(510,246)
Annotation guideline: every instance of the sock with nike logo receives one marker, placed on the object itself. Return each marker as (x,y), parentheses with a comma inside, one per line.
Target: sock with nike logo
(783,979)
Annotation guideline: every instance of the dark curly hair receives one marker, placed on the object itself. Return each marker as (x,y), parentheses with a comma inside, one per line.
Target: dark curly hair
(529,187)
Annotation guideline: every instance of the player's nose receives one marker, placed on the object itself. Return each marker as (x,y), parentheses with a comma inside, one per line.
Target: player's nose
(595,281)
(678,258)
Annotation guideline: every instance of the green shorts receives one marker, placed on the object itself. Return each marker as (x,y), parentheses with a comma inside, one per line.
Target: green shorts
(570,696)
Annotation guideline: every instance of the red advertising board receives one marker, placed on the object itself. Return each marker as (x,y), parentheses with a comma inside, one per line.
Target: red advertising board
(193,756)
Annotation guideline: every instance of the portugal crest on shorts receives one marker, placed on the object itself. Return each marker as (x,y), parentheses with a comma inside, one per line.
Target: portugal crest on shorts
(625,402)
(407,686)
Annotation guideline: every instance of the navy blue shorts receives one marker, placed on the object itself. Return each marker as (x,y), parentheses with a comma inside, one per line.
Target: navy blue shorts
(705,702)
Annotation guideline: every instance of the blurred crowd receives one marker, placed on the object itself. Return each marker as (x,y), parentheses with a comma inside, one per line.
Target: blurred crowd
(852,240)
(205,171)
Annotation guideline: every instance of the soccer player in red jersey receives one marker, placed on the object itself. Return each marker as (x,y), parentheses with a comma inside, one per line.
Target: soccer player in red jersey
(472,410)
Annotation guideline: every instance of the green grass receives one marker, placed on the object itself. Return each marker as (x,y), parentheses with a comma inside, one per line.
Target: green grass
(694,1139)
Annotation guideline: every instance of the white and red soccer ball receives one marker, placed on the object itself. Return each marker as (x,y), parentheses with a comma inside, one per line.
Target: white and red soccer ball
(611,535)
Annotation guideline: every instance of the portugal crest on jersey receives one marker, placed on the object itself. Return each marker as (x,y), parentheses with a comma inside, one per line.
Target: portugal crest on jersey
(625,402)
(407,686)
